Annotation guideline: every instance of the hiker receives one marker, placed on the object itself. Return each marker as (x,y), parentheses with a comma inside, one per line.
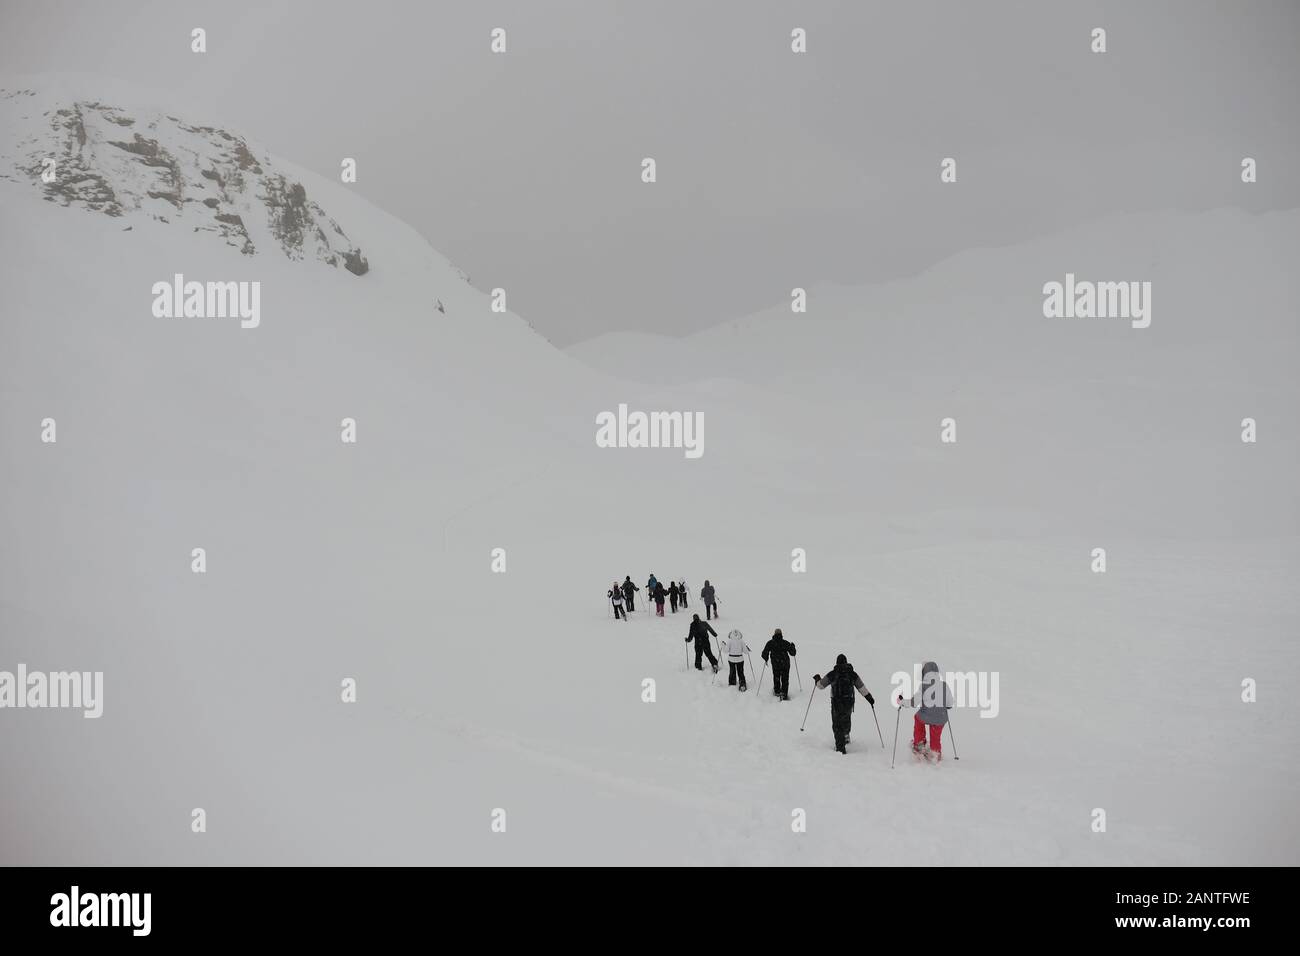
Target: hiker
(778,652)
(615,595)
(673,592)
(699,633)
(629,589)
(682,592)
(843,680)
(936,698)
(710,600)
(736,648)
(659,596)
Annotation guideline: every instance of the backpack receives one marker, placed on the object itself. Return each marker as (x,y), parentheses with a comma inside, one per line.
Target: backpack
(842,685)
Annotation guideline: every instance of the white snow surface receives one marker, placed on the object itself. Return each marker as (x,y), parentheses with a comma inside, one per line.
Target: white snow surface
(519,691)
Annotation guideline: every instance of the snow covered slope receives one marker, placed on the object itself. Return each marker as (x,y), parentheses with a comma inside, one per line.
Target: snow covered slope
(479,690)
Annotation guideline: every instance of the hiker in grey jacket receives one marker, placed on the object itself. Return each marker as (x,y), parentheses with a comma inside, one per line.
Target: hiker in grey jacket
(710,601)
(935,699)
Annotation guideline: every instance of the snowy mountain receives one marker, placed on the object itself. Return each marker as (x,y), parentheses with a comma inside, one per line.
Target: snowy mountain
(133,163)
(477,690)
(978,315)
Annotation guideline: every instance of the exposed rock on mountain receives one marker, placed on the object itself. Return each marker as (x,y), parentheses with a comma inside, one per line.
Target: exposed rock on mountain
(102,158)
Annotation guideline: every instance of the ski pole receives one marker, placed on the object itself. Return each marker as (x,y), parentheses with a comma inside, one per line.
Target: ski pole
(878,733)
(750,659)
(760,678)
(796,674)
(898,713)
(805,713)
(952,736)
(688,657)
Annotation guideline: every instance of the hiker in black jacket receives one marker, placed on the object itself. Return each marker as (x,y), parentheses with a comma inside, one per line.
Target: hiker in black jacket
(629,589)
(778,652)
(659,595)
(843,680)
(699,633)
(673,592)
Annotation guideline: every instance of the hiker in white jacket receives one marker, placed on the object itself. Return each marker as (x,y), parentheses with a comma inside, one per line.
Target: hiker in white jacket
(736,648)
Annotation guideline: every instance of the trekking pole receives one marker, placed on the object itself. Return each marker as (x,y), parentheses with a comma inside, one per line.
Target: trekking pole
(750,659)
(899,713)
(760,678)
(688,656)
(805,713)
(797,674)
(952,736)
(878,733)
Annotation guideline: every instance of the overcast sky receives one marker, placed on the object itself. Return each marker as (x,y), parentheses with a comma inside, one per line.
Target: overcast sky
(775,169)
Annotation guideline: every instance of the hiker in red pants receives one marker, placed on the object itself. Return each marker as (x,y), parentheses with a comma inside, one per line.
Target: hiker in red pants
(932,712)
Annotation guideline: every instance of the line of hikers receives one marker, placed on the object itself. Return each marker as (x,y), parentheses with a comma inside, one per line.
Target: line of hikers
(842,680)
(932,712)
(776,652)
(623,596)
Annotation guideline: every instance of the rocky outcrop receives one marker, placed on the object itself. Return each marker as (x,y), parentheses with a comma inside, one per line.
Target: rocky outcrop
(171,171)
